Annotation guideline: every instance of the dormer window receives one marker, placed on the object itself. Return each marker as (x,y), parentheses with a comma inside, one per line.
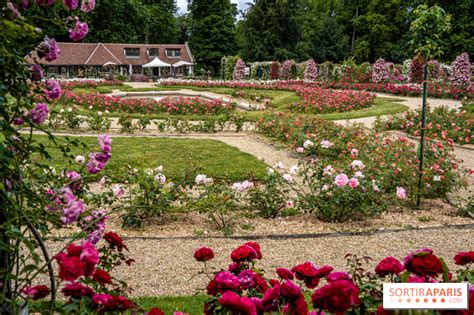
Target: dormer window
(174,52)
(153,52)
(132,52)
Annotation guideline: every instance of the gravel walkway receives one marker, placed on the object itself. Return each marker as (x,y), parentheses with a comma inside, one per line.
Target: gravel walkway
(167,267)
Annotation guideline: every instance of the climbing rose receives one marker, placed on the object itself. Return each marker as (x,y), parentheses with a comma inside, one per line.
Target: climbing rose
(79,31)
(49,49)
(336,297)
(74,177)
(36,292)
(105,143)
(423,263)
(71,4)
(311,71)
(204,254)
(53,89)
(39,113)
(115,240)
(87,5)
(388,266)
(37,72)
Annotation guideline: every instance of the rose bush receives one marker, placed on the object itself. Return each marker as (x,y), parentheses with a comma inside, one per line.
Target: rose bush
(244,289)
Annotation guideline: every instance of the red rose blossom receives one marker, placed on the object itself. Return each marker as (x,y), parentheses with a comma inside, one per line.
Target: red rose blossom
(102,277)
(336,297)
(204,254)
(243,253)
(77,290)
(388,266)
(36,292)
(256,247)
(423,263)
(237,305)
(155,311)
(285,273)
(464,258)
(115,240)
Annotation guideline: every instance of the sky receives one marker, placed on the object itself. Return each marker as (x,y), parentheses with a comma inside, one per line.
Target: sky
(183,6)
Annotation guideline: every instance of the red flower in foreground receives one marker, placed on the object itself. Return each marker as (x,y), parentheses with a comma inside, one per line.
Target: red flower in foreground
(102,277)
(336,297)
(388,266)
(285,274)
(204,254)
(464,258)
(77,290)
(423,263)
(237,304)
(115,240)
(256,247)
(77,261)
(155,311)
(36,292)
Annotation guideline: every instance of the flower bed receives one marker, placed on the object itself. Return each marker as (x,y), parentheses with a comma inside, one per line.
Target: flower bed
(319,101)
(441,123)
(242,287)
(170,105)
(87,84)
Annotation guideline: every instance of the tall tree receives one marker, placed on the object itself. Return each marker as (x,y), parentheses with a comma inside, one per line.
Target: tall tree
(161,26)
(271,30)
(212,31)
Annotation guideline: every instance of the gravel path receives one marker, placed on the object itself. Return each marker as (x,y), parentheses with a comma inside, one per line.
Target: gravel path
(167,267)
(412,103)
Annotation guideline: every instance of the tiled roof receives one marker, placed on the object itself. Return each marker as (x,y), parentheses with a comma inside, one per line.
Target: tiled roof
(99,54)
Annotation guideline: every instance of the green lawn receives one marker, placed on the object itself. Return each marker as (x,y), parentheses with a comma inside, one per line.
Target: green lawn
(193,304)
(178,156)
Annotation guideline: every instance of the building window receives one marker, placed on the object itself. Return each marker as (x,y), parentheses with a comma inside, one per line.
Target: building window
(136,69)
(132,52)
(173,52)
(153,52)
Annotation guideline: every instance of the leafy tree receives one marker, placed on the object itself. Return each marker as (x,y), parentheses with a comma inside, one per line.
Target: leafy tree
(212,31)
(427,30)
(161,26)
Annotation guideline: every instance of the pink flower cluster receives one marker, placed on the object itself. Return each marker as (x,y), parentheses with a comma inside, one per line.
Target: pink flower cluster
(239,70)
(98,160)
(53,89)
(39,114)
(286,68)
(311,71)
(94,225)
(461,71)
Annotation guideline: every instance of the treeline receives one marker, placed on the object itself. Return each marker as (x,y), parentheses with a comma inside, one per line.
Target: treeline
(325,30)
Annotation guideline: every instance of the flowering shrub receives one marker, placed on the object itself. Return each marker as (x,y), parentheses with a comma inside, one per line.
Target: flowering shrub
(416,69)
(274,70)
(461,71)
(243,288)
(170,105)
(380,71)
(286,69)
(87,84)
(239,70)
(442,123)
(318,100)
(311,71)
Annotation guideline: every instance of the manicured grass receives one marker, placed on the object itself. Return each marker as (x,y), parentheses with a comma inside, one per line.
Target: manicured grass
(382,106)
(193,304)
(178,156)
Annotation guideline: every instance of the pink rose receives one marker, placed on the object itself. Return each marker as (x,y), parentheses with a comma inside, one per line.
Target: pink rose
(341,180)
(401,193)
(353,182)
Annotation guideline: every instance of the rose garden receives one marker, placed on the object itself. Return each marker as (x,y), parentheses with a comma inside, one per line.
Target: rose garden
(290,188)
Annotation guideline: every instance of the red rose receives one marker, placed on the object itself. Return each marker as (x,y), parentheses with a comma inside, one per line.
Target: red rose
(70,267)
(338,275)
(336,297)
(77,290)
(243,253)
(270,299)
(155,311)
(115,240)
(423,263)
(290,290)
(388,266)
(324,271)
(36,292)
(237,304)
(464,258)
(120,303)
(306,270)
(285,273)
(260,283)
(203,254)
(102,277)
(256,247)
